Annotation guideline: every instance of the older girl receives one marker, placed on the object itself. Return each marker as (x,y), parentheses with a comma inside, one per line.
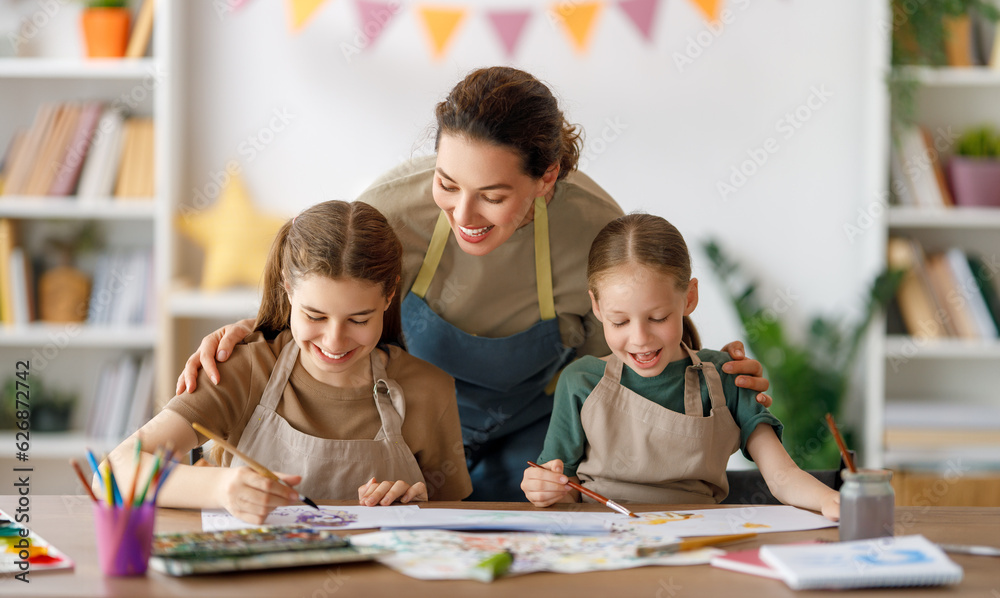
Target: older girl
(297,394)
(654,421)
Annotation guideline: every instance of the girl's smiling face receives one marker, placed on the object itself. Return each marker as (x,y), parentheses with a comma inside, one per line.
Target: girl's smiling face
(336,323)
(642,311)
(483,190)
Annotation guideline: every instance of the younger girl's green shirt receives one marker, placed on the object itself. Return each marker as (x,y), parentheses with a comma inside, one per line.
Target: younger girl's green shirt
(566,439)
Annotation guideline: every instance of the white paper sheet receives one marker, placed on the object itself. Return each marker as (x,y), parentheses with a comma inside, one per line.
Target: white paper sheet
(353,517)
(551,522)
(713,522)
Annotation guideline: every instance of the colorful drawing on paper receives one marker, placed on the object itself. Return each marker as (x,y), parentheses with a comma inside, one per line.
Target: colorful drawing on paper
(341,517)
(19,545)
(326,518)
(438,555)
(711,522)
(552,521)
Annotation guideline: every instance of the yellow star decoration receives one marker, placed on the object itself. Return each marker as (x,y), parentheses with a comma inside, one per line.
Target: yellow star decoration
(235,236)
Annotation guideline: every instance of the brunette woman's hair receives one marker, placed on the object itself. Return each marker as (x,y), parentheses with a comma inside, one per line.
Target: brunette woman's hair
(335,239)
(510,108)
(646,240)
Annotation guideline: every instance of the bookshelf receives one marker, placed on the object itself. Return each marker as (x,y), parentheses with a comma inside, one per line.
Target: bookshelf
(71,357)
(933,409)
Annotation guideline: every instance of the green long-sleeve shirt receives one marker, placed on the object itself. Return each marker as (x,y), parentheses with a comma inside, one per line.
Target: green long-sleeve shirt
(567,440)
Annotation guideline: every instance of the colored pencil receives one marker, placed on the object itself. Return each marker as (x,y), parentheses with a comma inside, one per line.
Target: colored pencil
(83,479)
(690,544)
(138,466)
(607,502)
(267,473)
(93,465)
(840,443)
(157,464)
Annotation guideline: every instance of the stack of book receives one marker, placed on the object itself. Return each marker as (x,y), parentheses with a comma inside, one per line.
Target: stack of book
(915,171)
(123,398)
(17,293)
(80,148)
(945,294)
(121,294)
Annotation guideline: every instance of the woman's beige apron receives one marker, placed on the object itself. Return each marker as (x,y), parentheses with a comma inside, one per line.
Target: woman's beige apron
(639,451)
(330,469)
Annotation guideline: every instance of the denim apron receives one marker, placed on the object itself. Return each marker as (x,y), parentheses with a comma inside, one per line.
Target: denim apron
(500,382)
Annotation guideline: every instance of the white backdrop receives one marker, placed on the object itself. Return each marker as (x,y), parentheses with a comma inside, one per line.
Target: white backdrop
(798,82)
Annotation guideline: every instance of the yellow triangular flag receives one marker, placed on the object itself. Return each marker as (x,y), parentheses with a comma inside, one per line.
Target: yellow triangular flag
(709,7)
(579,20)
(300,11)
(441,24)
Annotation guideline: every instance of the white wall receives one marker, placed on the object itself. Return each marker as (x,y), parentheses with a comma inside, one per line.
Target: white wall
(684,129)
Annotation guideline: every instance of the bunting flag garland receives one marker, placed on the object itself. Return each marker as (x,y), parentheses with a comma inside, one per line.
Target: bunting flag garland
(579,21)
(441,24)
(578,17)
(509,25)
(709,7)
(300,11)
(641,13)
(374,17)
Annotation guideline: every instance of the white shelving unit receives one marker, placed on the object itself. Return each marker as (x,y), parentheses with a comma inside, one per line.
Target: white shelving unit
(945,376)
(68,357)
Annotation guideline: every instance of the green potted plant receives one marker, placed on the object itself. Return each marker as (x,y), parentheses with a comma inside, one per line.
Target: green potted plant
(974,170)
(919,33)
(105,25)
(810,378)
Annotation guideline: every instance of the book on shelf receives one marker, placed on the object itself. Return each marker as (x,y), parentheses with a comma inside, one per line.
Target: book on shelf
(138,41)
(917,307)
(959,49)
(878,562)
(919,169)
(135,172)
(924,431)
(29,150)
(100,168)
(21,292)
(958,320)
(971,294)
(989,285)
(71,163)
(8,241)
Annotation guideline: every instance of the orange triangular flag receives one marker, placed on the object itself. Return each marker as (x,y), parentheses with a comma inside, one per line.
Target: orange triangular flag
(300,11)
(441,24)
(579,20)
(709,7)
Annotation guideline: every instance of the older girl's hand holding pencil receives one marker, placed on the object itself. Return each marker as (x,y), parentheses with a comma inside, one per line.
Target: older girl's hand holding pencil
(546,485)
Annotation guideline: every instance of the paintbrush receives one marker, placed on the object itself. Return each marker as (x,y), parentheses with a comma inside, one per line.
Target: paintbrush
(607,502)
(689,544)
(840,444)
(250,462)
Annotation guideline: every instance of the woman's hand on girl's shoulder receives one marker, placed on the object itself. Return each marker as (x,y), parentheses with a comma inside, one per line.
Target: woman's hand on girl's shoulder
(251,497)
(217,346)
(374,493)
(750,373)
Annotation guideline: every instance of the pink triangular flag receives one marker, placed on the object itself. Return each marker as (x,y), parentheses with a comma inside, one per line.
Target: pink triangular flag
(509,25)
(641,13)
(374,17)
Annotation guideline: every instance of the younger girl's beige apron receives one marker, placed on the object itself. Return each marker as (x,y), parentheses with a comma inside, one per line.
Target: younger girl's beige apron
(330,469)
(639,451)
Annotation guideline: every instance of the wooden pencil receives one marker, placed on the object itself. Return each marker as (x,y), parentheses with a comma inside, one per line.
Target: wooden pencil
(83,479)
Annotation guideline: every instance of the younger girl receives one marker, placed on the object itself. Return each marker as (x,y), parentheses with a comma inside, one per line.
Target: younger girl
(298,394)
(662,429)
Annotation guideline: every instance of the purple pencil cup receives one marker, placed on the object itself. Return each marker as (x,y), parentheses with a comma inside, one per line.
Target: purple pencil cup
(124,538)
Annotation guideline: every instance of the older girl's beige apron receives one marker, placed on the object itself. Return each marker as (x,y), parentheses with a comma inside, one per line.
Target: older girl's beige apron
(330,469)
(639,451)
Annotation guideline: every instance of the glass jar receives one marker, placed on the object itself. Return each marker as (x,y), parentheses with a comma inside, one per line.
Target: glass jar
(867,504)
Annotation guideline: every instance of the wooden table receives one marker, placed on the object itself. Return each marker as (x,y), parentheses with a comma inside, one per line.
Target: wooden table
(66,522)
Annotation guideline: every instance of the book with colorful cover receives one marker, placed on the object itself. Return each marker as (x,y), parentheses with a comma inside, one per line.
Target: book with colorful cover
(747,561)
(878,562)
(41,556)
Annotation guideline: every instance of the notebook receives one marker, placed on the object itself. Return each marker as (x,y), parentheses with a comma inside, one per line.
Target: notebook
(747,561)
(268,547)
(878,562)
